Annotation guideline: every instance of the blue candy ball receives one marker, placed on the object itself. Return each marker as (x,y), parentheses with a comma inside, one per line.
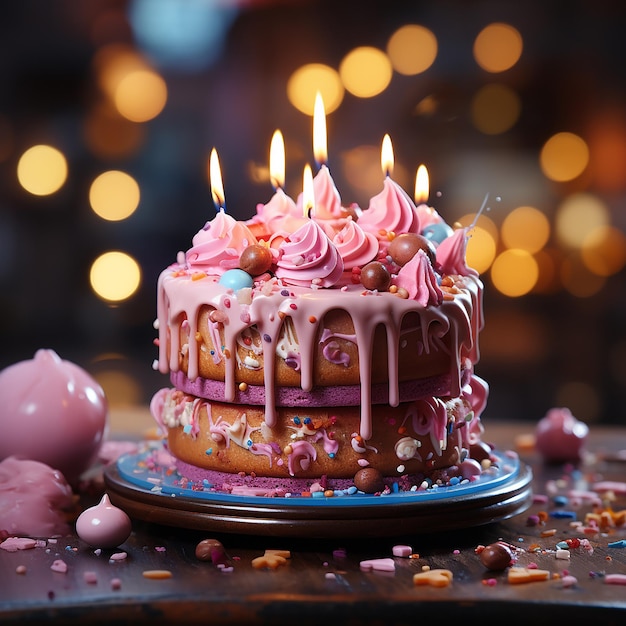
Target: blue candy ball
(236,279)
(437,232)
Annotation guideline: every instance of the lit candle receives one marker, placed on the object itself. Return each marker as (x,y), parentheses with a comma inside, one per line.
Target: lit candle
(217,188)
(320,147)
(277,160)
(386,156)
(308,197)
(421,185)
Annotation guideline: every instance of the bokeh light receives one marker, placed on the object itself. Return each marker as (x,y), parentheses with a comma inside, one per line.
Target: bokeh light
(495,109)
(120,388)
(42,170)
(514,272)
(140,95)
(307,80)
(481,249)
(526,228)
(110,136)
(578,279)
(604,250)
(579,215)
(115,276)
(563,157)
(365,71)
(114,195)
(498,47)
(412,49)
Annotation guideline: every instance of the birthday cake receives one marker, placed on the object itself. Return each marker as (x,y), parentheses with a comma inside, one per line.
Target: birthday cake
(321,347)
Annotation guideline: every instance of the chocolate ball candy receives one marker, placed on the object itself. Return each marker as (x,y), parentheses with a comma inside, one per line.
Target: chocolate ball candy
(496,556)
(255,259)
(375,276)
(211,550)
(405,246)
(369,480)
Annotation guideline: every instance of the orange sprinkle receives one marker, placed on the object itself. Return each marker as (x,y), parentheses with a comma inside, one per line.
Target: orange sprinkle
(329,493)
(198,336)
(157,574)
(312,319)
(542,515)
(198,276)
(391,235)
(548,533)
(243,386)
(393,288)
(401,430)
(227,353)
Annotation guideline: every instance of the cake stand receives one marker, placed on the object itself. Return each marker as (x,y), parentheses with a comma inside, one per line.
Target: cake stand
(156,494)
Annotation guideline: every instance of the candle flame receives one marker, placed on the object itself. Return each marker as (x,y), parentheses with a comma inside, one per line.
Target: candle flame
(217,189)
(320,147)
(277,160)
(386,156)
(421,185)
(308,196)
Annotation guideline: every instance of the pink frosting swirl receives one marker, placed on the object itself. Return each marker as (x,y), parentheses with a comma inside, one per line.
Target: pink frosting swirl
(390,211)
(420,280)
(427,215)
(355,246)
(279,214)
(308,258)
(327,199)
(218,246)
(451,254)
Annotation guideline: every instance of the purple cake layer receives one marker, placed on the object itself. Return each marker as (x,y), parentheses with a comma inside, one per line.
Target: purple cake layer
(340,395)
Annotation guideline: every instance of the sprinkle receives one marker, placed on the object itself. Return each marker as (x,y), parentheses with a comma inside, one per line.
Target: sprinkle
(563,514)
(312,319)
(116,584)
(562,554)
(617,544)
(548,533)
(20,569)
(433,577)
(267,338)
(13,544)
(91,578)
(402,550)
(118,556)
(59,566)
(378,565)
(243,386)
(157,574)
(519,575)
(615,579)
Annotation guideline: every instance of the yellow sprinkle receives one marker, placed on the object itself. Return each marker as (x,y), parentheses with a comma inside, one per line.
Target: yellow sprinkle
(243,386)
(157,574)
(198,336)
(198,276)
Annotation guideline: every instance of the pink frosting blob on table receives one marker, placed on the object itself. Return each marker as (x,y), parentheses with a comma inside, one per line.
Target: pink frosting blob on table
(560,437)
(52,411)
(35,499)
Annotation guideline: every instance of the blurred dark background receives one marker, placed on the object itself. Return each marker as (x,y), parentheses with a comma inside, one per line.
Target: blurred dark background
(523,101)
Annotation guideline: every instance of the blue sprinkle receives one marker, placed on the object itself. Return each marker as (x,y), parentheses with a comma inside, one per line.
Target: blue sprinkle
(249,442)
(562,545)
(307,420)
(617,544)
(455,480)
(296,420)
(267,338)
(187,429)
(317,494)
(560,500)
(395,488)
(352,490)
(206,483)
(212,352)
(208,452)
(563,514)
(331,455)
(284,292)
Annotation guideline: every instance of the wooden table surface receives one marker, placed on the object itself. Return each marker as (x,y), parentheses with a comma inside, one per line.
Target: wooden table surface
(323,579)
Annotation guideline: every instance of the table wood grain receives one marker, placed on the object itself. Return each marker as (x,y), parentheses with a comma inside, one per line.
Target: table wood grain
(323,579)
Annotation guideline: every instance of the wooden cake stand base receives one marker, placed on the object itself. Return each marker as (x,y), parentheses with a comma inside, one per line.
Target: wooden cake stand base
(161,500)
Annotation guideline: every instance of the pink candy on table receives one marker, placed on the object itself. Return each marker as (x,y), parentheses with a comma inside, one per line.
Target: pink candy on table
(560,437)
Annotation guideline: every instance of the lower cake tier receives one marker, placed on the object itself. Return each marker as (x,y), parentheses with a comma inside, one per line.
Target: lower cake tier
(413,438)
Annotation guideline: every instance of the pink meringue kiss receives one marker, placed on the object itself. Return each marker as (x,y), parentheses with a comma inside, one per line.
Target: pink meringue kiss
(560,437)
(103,525)
(52,411)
